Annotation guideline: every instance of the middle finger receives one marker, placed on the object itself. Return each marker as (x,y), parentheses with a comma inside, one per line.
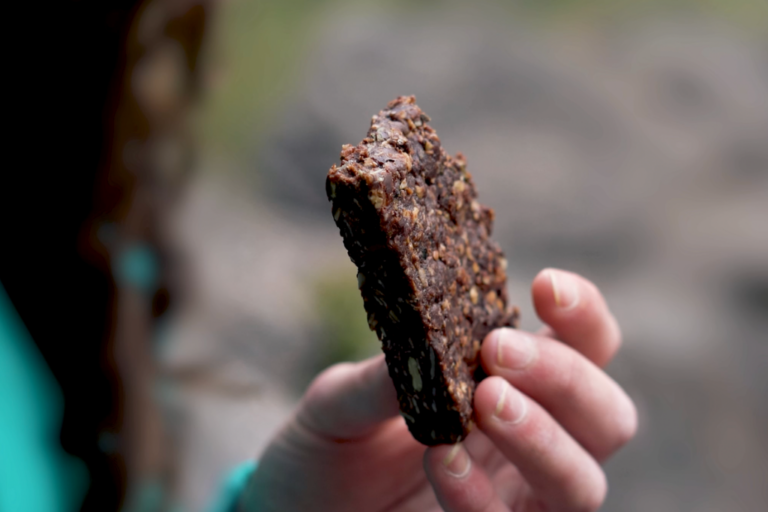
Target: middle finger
(580,396)
(560,473)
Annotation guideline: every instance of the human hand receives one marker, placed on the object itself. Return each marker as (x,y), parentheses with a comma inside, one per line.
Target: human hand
(547,416)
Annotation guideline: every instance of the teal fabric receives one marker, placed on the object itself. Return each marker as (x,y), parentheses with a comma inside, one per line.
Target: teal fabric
(36,475)
(232,486)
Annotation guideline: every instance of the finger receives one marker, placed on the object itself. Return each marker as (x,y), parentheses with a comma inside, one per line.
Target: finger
(580,396)
(484,452)
(348,400)
(560,473)
(576,310)
(460,485)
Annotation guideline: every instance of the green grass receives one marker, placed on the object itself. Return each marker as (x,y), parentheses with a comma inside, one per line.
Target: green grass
(344,334)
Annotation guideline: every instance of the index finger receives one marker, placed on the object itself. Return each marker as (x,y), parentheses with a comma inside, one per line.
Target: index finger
(348,400)
(577,312)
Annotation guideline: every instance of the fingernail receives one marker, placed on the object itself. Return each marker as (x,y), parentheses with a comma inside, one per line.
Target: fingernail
(514,350)
(565,289)
(457,462)
(511,406)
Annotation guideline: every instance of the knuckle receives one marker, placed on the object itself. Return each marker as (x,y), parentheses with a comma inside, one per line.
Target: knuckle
(334,372)
(608,335)
(323,409)
(627,426)
(613,333)
(620,432)
(589,496)
(571,376)
(617,334)
(543,437)
(327,379)
(595,496)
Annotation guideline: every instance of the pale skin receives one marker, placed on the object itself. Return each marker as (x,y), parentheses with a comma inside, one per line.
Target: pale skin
(547,416)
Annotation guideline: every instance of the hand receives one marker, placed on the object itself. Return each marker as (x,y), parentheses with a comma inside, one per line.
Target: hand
(547,416)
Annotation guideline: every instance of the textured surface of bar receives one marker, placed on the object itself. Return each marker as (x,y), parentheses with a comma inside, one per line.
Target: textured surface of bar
(432,280)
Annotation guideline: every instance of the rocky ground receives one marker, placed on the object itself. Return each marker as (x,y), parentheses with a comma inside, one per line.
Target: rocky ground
(637,157)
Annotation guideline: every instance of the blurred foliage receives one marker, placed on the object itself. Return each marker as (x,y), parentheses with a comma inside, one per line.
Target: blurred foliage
(344,331)
(258,47)
(253,58)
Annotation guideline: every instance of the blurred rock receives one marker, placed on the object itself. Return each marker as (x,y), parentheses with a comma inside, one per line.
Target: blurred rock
(639,160)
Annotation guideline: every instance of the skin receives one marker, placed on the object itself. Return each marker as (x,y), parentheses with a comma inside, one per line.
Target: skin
(547,416)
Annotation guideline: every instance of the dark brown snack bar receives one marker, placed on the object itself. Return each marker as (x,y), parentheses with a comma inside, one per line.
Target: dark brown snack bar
(433,281)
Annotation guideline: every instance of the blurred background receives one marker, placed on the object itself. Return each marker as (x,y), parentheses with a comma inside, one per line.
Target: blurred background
(625,140)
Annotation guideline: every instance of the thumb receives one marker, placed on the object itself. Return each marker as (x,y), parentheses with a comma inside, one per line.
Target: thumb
(349,400)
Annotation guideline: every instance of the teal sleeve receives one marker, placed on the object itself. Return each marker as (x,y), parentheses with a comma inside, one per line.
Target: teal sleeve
(36,475)
(232,487)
